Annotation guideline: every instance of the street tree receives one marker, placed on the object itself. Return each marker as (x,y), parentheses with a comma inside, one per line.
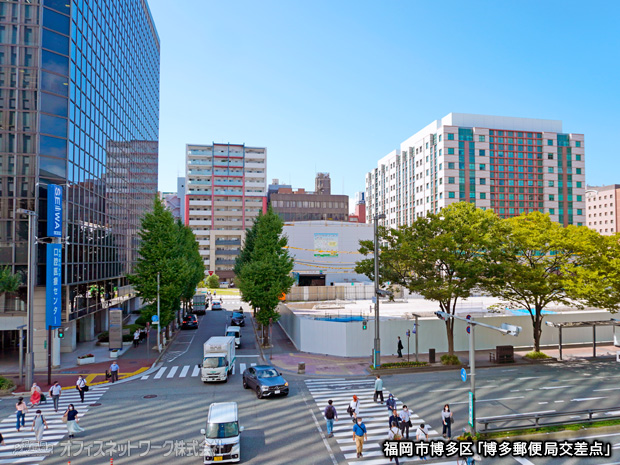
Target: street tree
(213,281)
(194,270)
(534,264)
(266,274)
(9,282)
(441,256)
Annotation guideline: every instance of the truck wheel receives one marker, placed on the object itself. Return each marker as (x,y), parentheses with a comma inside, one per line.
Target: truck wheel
(259,393)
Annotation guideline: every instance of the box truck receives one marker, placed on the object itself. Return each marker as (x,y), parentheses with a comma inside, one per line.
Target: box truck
(218,358)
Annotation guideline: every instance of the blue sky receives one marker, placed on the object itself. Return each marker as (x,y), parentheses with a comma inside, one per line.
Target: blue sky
(335,85)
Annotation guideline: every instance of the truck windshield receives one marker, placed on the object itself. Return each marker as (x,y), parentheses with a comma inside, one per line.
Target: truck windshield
(232,333)
(222,430)
(214,362)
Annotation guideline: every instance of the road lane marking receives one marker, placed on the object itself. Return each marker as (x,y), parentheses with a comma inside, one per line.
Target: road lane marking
(242,367)
(145,377)
(160,373)
(196,371)
(554,387)
(461,389)
(184,371)
(529,377)
(173,370)
(583,399)
(558,401)
(522,460)
(607,389)
(491,400)
(517,414)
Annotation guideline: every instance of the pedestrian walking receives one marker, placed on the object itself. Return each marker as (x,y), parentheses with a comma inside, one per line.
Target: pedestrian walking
(330,415)
(55,392)
(446,421)
(359,436)
(394,434)
(81,386)
(390,403)
(70,416)
(394,418)
(421,434)
(354,408)
(142,334)
(21,411)
(399,348)
(379,388)
(136,338)
(38,425)
(35,395)
(114,372)
(405,421)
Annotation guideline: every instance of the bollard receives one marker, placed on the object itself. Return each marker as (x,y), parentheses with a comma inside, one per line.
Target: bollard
(431,355)
(301,368)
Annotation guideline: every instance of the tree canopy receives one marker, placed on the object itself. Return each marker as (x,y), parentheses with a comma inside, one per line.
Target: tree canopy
(9,282)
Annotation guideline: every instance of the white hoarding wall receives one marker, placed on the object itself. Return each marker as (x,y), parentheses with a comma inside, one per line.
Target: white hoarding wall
(350,340)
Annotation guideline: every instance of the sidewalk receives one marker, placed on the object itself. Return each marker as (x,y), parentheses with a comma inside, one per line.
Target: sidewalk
(131,361)
(286,358)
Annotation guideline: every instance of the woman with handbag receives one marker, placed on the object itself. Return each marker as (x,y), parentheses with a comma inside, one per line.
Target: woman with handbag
(70,417)
(81,386)
(21,411)
(354,409)
(446,421)
(394,434)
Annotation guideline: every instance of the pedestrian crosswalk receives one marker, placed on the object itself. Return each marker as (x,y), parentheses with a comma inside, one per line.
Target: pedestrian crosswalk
(188,371)
(21,447)
(375,416)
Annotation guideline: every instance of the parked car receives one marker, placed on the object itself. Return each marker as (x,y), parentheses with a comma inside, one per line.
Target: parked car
(265,380)
(238,318)
(216,305)
(189,322)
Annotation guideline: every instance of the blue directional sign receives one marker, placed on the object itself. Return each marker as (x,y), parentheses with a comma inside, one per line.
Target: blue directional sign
(463,375)
(154,318)
(53,291)
(54,211)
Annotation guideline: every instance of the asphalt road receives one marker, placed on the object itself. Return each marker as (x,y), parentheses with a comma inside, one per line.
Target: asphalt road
(165,427)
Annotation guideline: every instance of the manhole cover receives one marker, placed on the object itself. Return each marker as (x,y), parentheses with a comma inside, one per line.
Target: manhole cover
(150,396)
(97,404)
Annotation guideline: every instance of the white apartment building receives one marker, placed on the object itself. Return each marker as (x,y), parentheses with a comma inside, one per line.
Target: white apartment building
(226,188)
(603,208)
(511,165)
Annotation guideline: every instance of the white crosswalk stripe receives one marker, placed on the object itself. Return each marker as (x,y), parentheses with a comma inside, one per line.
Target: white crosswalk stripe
(56,431)
(183,371)
(375,417)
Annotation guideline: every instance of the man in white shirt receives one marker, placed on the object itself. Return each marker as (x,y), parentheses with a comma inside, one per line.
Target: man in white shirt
(55,392)
(80,384)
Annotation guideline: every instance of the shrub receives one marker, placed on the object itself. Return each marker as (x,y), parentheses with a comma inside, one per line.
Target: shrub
(6,383)
(450,360)
(86,356)
(536,355)
(403,364)
(132,328)
(141,321)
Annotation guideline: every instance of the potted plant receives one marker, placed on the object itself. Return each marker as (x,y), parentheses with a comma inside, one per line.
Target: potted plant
(114,353)
(86,359)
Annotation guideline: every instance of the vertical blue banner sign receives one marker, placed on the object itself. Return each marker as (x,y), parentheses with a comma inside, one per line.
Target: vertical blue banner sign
(54,211)
(53,296)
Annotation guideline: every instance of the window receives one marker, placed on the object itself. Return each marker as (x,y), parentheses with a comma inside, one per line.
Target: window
(577,144)
(578,171)
(578,157)
(450,136)
(450,195)
(550,169)
(549,156)
(450,180)
(481,153)
(483,181)
(551,197)
(450,151)
(480,138)
(551,183)
(482,167)
(579,211)
(579,183)
(483,195)
(439,137)
(552,211)
(450,166)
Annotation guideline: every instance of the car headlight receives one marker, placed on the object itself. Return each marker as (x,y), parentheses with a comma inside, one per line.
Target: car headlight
(264,388)
(286,384)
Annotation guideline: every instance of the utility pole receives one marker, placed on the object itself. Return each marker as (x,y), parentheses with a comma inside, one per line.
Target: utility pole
(158,319)
(377,350)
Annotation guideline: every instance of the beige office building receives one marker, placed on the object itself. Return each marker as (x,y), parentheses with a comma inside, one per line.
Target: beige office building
(602,208)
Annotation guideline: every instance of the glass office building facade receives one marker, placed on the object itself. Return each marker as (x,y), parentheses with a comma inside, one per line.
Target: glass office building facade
(79,106)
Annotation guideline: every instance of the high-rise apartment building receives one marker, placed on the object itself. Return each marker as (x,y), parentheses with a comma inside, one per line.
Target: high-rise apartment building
(507,164)
(603,208)
(226,188)
(79,108)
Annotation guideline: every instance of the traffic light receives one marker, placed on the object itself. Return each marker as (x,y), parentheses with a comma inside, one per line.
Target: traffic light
(61,333)
(364,324)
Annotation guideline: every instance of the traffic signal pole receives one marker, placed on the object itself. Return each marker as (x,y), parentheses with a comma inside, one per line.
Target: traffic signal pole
(49,355)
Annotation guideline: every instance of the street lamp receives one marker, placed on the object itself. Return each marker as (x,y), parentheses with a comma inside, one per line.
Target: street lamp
(510,330)
(377,350)
(29,293)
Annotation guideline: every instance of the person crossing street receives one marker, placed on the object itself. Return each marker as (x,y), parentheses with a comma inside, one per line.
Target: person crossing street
(330,415)
(359,436)
(378,388)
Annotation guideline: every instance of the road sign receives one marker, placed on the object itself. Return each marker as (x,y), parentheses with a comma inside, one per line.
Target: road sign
(463,375)
(468,330)
(414,328)
(374,300)
(471,409)
(154,318)
(408,333)
(468,317)
(210,273)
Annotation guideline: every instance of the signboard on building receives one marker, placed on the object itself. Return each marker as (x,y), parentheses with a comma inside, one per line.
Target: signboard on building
(54,211)
(115,328)
(325,244)
(53,294)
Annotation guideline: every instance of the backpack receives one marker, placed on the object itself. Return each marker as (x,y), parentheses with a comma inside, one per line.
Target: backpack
(397,436)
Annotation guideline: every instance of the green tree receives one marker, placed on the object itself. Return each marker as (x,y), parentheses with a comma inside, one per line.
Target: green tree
(265,275)
(9,282)
(595,272)
(213,281)
(161,251)
(194,269)
(248,246)
(441,256)
(533,265)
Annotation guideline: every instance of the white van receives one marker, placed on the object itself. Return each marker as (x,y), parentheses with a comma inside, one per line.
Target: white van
(222,435)
(234,331)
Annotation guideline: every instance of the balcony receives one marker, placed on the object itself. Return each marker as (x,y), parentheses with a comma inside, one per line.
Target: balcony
(224,261)
(198,192)
(227,252)
(200,183)
(227,242)
(200,172)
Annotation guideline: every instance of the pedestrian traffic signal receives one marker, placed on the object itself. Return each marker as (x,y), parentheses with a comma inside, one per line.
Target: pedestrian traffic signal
(364,324)
(61,333)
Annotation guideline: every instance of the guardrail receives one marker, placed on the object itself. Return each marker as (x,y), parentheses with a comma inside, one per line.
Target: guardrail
(534,420)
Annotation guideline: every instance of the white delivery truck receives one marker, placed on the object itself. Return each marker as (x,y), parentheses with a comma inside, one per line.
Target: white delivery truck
(218,358)
(222,434)
(234,331)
